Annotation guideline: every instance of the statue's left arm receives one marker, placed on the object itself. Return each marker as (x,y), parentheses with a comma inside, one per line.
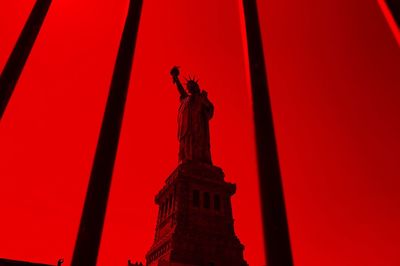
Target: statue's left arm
(207,105)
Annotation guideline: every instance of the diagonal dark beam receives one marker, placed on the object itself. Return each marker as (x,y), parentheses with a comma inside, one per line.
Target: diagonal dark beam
(394,6)
(276,232)
(16,62)
(94,210)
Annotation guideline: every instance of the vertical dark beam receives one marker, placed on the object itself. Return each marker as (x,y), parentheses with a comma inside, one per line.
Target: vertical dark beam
(94,210)
(276,232)
(16,62)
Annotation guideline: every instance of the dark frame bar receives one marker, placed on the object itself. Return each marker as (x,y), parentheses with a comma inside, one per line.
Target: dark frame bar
(8,262)
(394,7)
(16,62)
(276,232)
(94,210)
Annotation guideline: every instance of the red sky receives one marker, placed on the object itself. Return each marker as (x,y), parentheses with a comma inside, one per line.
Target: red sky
(333,74)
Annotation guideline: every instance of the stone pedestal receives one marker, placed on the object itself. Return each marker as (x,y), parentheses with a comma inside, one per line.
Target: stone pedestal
(195,223)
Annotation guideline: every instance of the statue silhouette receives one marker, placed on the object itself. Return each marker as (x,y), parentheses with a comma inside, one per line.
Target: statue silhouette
(194,113)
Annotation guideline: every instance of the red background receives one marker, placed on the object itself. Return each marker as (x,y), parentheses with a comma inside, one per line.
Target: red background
(333,74)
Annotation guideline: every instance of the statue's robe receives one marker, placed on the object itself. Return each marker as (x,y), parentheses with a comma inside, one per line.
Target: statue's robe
(195,111)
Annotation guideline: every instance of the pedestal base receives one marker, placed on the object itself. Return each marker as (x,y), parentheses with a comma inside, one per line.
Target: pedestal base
(195,223)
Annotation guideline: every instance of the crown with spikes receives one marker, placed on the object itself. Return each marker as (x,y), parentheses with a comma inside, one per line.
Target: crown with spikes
(192,81)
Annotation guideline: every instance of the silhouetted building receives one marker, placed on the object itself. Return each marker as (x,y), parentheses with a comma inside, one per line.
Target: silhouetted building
(134,264)
(195,222)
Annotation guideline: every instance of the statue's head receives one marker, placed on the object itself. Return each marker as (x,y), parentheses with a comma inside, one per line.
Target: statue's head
(192,86)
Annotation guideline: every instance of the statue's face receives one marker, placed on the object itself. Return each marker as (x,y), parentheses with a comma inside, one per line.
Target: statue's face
(192,87)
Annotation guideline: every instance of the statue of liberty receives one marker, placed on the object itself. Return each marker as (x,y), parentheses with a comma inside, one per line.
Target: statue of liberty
(194,112)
